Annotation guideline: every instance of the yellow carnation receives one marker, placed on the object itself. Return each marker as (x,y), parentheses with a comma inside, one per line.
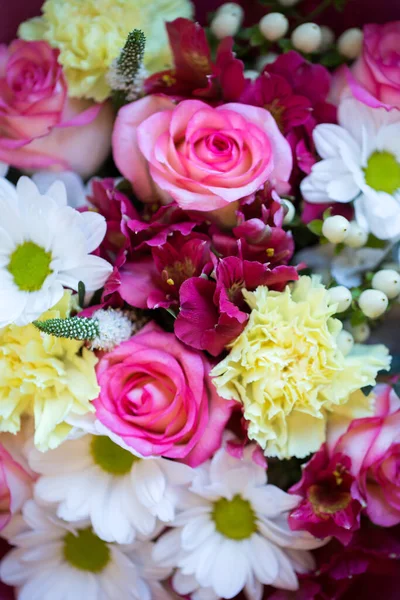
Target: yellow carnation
(287,371)
(44,376)
(91,33)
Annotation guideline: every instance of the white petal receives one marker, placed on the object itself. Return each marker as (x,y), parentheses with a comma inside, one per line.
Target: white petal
(230,569)
(94,227)
(263,559)
(331,139)
(93,271)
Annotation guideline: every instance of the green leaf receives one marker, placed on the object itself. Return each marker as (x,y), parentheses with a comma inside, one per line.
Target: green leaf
(256,37)
(315,226)
(357,318)
(332,59)
(327,213)
(374,242)
(285,44)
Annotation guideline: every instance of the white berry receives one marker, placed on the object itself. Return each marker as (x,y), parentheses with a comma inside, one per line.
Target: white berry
(388,282)
(335,229)
(345,342)
(290,212)
(361,332)
(231,8)
(274,26)
(341,296)
(356,236)
(327,38)
(307,37)
(373,303)
(225,25)
(350,43)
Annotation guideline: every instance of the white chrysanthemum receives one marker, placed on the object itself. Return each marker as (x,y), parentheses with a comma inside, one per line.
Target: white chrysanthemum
(54,560)
(234,532)
(98,478)
(44,245)
(361,163)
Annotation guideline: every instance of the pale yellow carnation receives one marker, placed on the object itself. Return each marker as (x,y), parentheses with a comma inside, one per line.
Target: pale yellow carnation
(91,33)
(45,377)
(287,371)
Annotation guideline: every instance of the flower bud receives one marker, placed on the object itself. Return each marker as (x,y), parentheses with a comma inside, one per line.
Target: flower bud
(356,237)
(274,26)
(327,38)
(307,37)
(341,296)
(345,342)
(373,303)
(361,332)
(350,43)
(335,229)
(290,212)
(231,8)
(388,282)
(225,25)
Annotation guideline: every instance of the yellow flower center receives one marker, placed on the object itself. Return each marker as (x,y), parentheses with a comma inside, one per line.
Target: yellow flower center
(382,172)
(111,457)
(234,519)
(85,551)
(30,265)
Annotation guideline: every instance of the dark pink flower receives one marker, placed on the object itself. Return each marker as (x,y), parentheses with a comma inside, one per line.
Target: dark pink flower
(373,444)
(259,234)
(154,281)
(117,210)
(213,313)
(328,507)
(195,75)
(275,93)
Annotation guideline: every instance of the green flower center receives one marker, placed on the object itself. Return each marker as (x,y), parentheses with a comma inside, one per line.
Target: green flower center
(86,551)
(29,265)
(382,172)
(111,457)
(235,518)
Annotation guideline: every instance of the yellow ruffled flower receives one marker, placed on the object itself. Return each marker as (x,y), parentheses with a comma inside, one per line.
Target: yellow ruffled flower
(287,370)
(91,33)
(44,376)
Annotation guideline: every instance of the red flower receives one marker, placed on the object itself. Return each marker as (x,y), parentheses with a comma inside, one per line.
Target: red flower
(194,74)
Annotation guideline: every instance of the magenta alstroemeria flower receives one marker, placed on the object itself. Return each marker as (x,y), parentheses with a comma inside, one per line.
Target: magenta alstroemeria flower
(154,281)
(328,507)
(213,313)
(195,75)
(259,234)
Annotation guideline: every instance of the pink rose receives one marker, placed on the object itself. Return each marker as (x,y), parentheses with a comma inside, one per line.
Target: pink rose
(202,157)
(375,76)
(39,127)
(156,395)
(373,445)
(15,484)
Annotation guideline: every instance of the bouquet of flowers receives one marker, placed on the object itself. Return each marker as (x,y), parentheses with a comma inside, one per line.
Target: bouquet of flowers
(199,232)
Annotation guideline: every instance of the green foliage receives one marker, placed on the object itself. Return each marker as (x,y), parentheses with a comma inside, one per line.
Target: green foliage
(315,226)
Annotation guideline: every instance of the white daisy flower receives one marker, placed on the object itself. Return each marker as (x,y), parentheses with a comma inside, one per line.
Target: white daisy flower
(233,533)
(44,245)
(54,560)
(361,163)
(101,479)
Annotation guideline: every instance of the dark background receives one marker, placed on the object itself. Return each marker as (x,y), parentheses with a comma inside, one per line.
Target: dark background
(357,13)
